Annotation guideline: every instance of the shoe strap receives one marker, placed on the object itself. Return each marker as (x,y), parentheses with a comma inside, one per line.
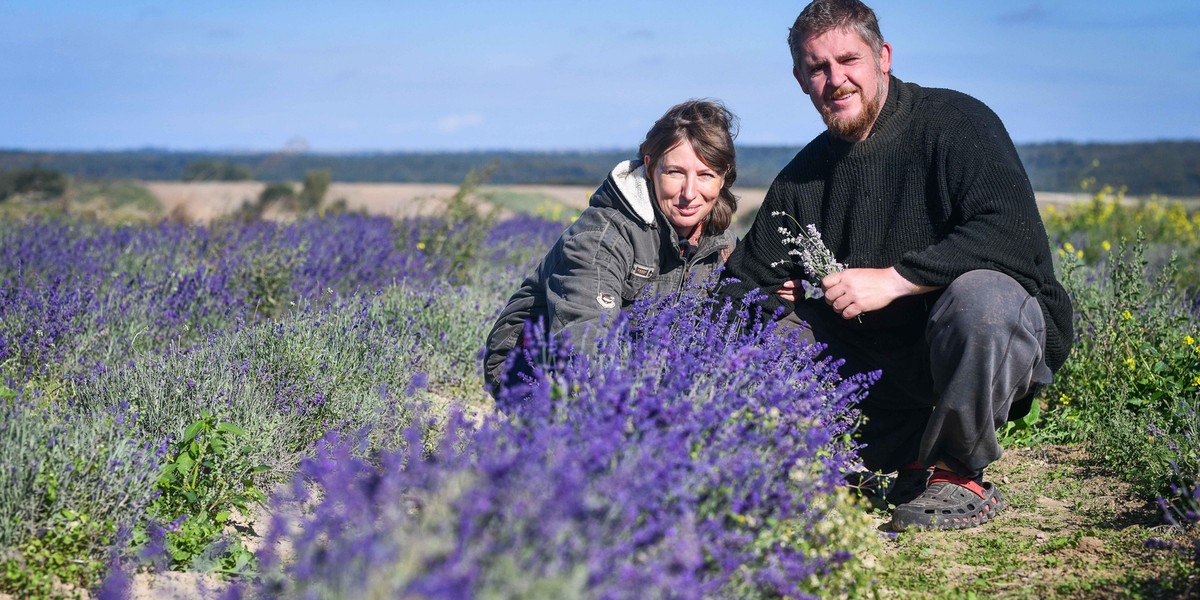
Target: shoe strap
(915,466)
(956,479)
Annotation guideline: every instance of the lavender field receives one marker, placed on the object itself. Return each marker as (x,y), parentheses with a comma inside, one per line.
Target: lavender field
(295,408)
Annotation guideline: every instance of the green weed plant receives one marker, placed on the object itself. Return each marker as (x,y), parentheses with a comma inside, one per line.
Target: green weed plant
(1134,373)
(267,275)
(210,473)
(458,234)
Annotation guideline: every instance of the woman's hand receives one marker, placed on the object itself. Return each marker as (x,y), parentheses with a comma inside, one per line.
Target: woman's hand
(788,290)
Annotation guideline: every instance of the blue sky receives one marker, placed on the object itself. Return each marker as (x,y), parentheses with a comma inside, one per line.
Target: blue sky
(554,75)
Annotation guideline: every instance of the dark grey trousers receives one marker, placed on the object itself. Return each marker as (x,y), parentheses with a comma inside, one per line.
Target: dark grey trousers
(946,384)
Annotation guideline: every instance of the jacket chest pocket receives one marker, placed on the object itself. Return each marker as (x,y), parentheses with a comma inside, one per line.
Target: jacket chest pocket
(639,277)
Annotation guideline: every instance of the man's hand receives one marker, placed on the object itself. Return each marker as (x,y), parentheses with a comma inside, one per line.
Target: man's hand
(856,291)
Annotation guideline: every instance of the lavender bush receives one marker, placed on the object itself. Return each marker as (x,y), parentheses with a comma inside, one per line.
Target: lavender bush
(290,330)
(687,459)
(1181,507)
(71,481)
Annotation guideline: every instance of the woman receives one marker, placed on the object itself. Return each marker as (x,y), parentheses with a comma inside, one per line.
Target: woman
(655,223)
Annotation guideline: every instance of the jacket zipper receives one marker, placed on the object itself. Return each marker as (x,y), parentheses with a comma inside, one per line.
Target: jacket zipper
(687,265)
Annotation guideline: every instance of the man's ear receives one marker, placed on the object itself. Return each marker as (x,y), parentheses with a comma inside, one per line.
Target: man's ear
(800,79)
(885,58)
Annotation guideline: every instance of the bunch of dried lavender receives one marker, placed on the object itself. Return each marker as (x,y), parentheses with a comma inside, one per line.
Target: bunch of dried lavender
(816,259)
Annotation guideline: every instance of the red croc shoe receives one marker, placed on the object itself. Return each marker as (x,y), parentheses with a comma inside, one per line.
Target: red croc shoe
(951,501)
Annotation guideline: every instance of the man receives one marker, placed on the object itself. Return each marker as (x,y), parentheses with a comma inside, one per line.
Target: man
(949,288)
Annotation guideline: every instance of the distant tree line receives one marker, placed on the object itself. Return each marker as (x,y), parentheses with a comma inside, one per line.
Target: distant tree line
(214,169)
(1166,168)
(35,182)
(1169,168)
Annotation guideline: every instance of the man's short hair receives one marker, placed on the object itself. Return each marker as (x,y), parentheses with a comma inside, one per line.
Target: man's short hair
(823,16)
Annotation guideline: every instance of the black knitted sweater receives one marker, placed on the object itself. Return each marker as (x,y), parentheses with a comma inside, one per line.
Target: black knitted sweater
(936,190)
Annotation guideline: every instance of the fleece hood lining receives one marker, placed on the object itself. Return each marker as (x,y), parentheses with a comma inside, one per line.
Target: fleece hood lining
(630,178)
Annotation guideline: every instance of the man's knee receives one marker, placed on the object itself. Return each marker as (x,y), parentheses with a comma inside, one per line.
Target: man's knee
(983,301)
(798,323)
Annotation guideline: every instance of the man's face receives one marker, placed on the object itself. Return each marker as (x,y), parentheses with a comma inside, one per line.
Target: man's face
(846,81)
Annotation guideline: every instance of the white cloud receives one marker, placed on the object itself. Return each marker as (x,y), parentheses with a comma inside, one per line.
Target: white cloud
(453,123)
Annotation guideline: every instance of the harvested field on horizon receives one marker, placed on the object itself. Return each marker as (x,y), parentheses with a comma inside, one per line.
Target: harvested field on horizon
(205,201)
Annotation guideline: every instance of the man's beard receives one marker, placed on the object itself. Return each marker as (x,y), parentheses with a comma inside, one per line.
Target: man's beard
(856,128)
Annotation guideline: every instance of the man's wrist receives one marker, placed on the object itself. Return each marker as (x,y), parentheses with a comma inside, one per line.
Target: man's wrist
(904,287)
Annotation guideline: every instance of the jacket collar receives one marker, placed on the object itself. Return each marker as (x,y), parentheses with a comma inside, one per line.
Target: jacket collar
(633,187)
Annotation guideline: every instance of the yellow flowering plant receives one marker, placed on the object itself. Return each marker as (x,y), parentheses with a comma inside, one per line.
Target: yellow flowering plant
(1089,229)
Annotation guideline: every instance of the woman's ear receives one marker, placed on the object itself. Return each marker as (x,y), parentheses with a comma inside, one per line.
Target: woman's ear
(646,161)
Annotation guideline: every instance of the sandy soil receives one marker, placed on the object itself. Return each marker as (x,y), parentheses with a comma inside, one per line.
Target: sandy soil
(205,201)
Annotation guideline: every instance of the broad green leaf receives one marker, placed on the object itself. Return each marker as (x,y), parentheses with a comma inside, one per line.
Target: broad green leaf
(192,431)
(231,428)
(1035,412)
(184,463)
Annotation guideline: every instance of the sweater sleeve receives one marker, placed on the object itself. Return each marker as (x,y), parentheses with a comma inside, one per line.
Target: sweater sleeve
(994,221)
(761,261)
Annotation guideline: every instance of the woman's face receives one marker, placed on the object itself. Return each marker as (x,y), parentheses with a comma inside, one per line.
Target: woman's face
(687,189)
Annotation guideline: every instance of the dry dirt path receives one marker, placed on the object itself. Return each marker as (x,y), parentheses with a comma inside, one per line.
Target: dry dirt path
(1069,531)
